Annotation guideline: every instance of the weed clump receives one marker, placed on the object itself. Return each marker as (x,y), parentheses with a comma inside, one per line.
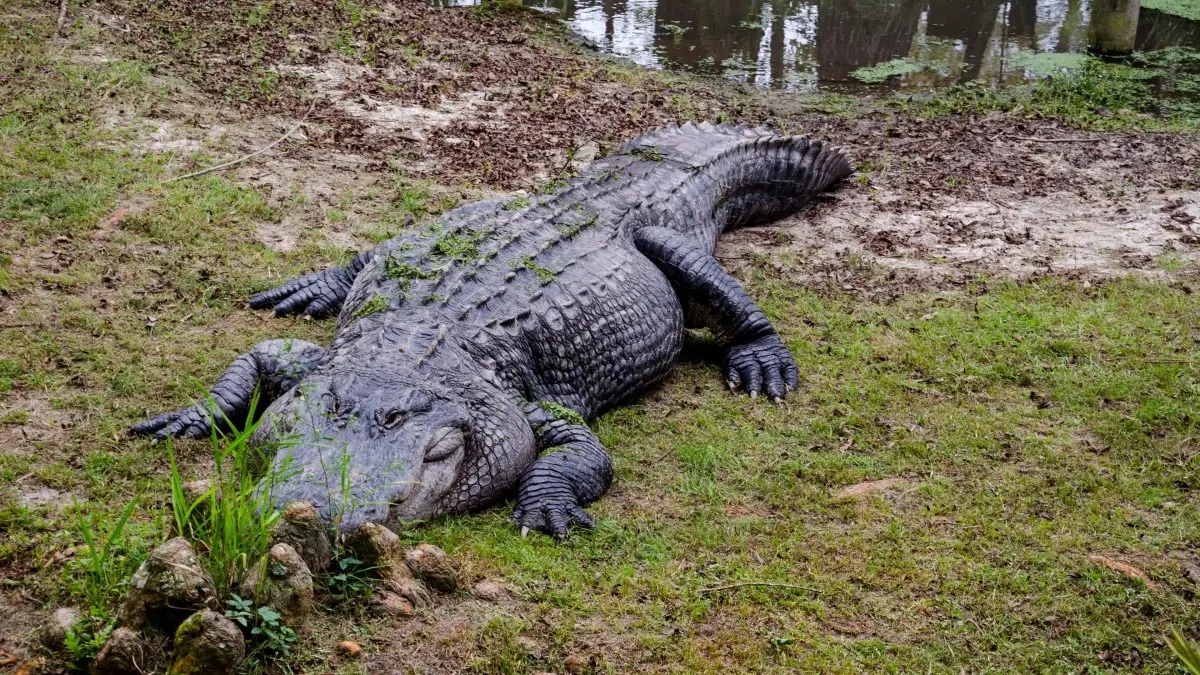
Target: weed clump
(545,276)
(462,248)
(375,305)
(563,413)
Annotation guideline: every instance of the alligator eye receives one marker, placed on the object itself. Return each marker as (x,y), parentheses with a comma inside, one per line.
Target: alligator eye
(391,419)
(330,402)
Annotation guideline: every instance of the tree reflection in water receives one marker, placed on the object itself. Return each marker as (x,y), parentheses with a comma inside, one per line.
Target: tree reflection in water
(798,44)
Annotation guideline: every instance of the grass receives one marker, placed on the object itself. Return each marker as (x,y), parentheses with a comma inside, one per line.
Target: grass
(1158,94)
(232,520)
(1032,426)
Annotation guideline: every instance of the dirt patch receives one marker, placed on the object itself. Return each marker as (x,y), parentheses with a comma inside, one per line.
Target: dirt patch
(443,639)
(31,422)
(867,488)
(21,619)
(923,213)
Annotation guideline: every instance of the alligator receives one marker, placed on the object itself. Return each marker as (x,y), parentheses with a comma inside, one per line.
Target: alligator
(470,354)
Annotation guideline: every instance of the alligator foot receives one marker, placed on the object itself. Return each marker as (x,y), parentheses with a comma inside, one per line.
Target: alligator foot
(764,364)
(191,422)
(550,509)
(555,488)
(317,295)
(272,367)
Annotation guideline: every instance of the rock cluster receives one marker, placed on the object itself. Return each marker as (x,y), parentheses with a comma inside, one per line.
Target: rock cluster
(172,599)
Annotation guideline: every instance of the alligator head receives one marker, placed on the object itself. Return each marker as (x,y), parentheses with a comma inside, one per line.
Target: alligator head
(385,447)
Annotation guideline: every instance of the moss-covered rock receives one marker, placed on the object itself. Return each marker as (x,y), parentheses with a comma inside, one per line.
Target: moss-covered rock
(207,643)
(166,589)
(281,580)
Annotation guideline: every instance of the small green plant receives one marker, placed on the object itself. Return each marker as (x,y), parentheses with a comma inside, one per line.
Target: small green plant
(398,269)
(258,13)
(562,412)
(553,186)
(517,204)
(98,557)
(461,247)
(1187,652)
(240,610)
(233,519)
(375,305)
(545,276)
(778,643)
(350,581)
(343,43)
(649,153)
(265,624)
(503,653)
(410,196)
(83,641)
(412,56)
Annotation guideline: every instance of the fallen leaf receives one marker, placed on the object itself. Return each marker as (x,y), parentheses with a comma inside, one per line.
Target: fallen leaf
(867,487)
(1123,568)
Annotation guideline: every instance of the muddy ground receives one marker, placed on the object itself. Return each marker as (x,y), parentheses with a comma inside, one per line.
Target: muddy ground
(936,202)
(474,102)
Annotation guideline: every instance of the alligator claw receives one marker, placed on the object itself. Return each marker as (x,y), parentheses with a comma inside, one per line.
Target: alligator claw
(191,422)
(552,515)
(317,295)
(763,366)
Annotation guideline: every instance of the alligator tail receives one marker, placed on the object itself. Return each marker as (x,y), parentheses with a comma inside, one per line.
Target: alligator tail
(760,176)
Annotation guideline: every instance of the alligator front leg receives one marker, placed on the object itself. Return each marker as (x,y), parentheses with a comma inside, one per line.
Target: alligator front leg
(757,359)
(318,294)
(273,367)
(556,487)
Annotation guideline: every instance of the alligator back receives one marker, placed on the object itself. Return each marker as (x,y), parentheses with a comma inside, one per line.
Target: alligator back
(549,293)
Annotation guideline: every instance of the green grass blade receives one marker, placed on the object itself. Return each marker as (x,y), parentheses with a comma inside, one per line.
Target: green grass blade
(1186,651)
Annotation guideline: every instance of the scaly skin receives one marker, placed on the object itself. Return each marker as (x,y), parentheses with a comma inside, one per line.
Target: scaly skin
(461,348)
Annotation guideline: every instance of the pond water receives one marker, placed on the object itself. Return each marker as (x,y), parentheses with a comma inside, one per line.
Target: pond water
(845,44)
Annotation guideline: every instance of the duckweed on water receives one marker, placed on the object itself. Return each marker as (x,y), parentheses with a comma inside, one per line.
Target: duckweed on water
(1188,9)
(882,72)
(1045,64)
(1154,91)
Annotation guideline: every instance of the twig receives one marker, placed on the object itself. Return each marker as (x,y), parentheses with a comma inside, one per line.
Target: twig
(1055,140)
(704,591)
(18,325)
(1167,360)
(252,155)
(62,17)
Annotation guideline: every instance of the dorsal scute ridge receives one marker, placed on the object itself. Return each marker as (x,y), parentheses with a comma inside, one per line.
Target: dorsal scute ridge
(685,143)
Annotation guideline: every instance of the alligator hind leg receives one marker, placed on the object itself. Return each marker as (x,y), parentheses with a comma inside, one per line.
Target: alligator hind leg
(556,487)
(318,294)
(273,367)
(757,359)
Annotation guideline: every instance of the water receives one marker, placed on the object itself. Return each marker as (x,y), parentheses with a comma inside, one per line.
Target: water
(839,44)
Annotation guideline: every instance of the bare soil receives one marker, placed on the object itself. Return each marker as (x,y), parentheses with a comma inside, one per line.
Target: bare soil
(939,203)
